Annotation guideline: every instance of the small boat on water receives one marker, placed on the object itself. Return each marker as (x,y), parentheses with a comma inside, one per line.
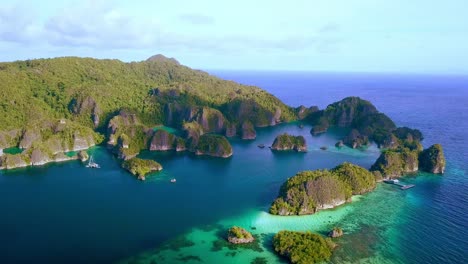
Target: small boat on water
(173,180)
(261,145)
(92,164)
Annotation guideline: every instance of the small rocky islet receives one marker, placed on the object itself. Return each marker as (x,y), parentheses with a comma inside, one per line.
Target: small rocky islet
(74,108)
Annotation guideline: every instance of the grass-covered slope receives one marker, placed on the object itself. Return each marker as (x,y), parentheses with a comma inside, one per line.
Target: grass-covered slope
(310,191)
(121,102)
(55,88)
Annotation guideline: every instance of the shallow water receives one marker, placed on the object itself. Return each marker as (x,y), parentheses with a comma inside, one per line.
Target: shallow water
(68,213)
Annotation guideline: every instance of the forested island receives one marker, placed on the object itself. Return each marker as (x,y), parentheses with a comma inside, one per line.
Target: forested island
(55,109)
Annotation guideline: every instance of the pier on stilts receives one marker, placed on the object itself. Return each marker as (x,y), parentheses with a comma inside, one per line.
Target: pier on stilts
(398,183)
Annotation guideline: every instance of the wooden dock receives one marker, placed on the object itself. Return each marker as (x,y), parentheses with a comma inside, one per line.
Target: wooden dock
(402,186)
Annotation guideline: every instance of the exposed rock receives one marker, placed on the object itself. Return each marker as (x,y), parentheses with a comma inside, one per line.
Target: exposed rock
(354,113)
(303,112)
(175,114)
(29,137)
(231,130)
(163,140)
(214,145)
(82,142)
(9,138)
(248,131)
(211,120)
(86,106)
(83,156)
(9,161)
(238,235)
(141,167)
(395,163)
(355,139)
(320,127)
(310,191)
(193,132)
(289,142)
(335,232)
(39,157)
(432,159)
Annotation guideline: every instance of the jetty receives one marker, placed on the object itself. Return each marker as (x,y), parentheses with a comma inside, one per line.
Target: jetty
(398,183)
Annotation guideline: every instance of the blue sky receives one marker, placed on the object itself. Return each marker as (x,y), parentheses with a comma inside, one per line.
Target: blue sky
(429,36)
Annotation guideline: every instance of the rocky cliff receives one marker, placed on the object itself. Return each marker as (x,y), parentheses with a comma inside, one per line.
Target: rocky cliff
(238,235)
(394,163)
(355,113)
(432,159)
(310,191)
(213,145)
(141,167)
(289,142)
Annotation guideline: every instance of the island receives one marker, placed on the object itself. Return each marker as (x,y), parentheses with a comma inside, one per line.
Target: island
(310,191)
(238,235)
(141,167)
(71,104)
(303,247)
(289,142)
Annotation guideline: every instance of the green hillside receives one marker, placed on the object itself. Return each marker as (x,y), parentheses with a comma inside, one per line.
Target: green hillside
(47,89)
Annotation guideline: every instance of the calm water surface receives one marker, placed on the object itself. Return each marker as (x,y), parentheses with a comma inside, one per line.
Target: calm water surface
(66,213)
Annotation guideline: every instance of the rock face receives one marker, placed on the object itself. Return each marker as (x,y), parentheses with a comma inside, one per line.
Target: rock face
(302,111)
(432,159)
(355,139)
(395,163)
(28,137)
(310,191)
(231,130)
(211,120)
(162,140)
(86,106)
(238,235)
(127,136)
(141,167)
(357,114)
(213,145)
(83,156)
(248,131)
(335,232)
(289,142)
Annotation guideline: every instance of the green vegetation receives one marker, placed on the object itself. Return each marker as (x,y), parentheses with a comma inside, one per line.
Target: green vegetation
(394,163)
(359,179)
(432,159)
(310,191)
(236,233)
(355,113)
(121,102)
(46,88)
(141,167)
(302,247)
(289,142)
(214,145)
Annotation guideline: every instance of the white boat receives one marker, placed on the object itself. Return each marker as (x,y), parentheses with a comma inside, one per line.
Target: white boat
(173,180)
(92,164)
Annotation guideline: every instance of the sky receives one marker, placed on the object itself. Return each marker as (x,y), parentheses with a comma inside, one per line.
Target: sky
(416,36)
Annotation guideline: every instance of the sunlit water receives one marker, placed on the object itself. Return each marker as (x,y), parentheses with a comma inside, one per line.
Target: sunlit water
(68,213)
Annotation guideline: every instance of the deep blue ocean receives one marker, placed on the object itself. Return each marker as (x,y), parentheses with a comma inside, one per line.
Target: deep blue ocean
(66,213)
